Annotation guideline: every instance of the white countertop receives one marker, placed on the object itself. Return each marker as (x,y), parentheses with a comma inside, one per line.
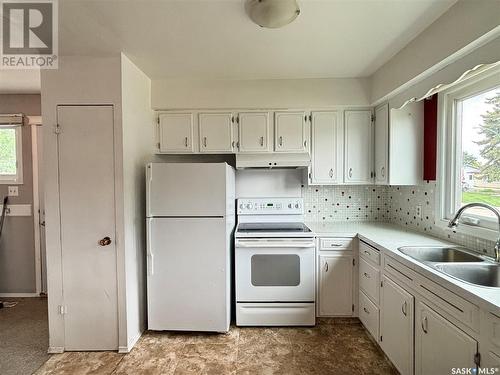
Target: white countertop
(389,237)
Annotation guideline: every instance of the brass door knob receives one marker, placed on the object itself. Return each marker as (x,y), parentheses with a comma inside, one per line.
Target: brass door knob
(105,241)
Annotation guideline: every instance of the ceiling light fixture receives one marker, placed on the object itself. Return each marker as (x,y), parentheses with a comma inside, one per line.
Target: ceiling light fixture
(272,13)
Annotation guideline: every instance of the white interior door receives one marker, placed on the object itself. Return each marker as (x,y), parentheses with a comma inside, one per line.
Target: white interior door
(87,205)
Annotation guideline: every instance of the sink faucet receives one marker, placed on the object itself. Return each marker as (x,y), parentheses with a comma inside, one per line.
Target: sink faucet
(454,222)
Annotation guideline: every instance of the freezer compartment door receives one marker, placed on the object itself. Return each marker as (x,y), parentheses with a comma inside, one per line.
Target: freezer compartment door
(189,274)
(188,189)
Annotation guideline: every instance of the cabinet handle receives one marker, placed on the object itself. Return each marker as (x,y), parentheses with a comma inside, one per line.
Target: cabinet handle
(281,141)
(366,275)
(382,172)
(262,141)
(331,173)
(404,308)
(335,244)
(424,324)
(365,310)
(305,144)
(186,141)
(233,144)
(367,252)
(350,172)
(204,141)
(326,266)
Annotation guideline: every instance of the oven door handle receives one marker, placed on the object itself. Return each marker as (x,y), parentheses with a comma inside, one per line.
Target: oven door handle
(274,244)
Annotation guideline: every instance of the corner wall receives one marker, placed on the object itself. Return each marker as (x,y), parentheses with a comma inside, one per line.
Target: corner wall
(138,139)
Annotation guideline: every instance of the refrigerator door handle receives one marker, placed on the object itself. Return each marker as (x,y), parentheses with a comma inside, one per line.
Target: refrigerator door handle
(149,250)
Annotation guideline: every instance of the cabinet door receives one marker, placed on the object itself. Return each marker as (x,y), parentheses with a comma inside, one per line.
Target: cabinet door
(326,148)
(253,129)
(290,132)
(491,360)
(396,325)
(335,285)
(439,345)
(176,132)
(216,132)
(381,144)
(358,147)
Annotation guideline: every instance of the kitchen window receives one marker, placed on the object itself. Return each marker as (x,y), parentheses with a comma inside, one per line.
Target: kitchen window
(11,171)
(469,168)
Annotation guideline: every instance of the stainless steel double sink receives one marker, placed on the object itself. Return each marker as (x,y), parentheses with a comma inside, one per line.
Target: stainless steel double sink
(458,263)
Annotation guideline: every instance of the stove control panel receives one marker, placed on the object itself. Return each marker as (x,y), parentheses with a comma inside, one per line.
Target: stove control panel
(270,206)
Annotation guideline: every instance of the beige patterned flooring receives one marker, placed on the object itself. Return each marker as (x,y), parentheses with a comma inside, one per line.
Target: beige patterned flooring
(332,347)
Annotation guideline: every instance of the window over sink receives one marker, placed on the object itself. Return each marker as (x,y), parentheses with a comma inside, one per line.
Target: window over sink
(469,168)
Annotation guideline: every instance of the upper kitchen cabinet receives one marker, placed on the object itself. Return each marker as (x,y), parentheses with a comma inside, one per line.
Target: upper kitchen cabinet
(253,132)
(290,132)
(381,144)
(358,153)
(406,134)
(399,144)
(176,132)
(216,132)
(326,132)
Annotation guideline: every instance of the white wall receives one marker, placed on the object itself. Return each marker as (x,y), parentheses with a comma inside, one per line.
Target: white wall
(277,93)
(462,24)
(138,139)
(79,80)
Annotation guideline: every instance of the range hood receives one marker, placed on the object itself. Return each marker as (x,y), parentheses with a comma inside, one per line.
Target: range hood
(273,160)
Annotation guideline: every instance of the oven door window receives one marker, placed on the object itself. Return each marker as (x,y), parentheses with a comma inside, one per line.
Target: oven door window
(275,270)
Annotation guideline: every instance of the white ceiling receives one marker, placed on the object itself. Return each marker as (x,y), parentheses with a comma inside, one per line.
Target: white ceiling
(203,39)
(214,39)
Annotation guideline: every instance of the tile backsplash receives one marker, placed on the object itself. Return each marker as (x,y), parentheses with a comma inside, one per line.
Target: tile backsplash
(394,204)
(345,203)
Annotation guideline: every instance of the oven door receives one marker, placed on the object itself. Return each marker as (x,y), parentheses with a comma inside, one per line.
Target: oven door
(275,270)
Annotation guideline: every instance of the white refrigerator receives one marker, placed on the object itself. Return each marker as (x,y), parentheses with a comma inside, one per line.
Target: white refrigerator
(190,216)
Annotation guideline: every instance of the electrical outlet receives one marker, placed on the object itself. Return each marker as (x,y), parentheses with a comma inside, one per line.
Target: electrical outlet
(13,191)
(418,211)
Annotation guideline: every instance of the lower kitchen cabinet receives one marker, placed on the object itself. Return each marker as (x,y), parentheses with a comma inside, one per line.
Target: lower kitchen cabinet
(369,315)
(396,325)
(491,360)
(440,345)
(335,285)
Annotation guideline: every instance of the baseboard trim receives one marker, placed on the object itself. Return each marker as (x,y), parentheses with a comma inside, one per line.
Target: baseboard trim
(130,345)
(18,295)
(55,350)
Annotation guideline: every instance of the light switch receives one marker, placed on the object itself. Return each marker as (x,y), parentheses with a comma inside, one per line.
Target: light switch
(13,191)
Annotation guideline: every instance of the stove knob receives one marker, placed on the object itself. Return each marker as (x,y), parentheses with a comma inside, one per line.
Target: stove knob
(297,205)
(242,206)
(249,206)
(290,205)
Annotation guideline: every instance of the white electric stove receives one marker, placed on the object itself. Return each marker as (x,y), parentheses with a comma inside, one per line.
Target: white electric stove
(274,263)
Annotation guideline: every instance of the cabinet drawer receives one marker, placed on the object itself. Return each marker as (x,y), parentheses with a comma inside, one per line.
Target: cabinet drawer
(369,280)
(494,330)
(369,253)
(335,243)
(369,315)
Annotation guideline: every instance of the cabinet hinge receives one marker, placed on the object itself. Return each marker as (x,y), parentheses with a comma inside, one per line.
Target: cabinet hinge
(381,284)
(158,120)
(310,175)
(353,307)
(62,309)
(232,119)
(477,359)
(238,120)
(354,262)
(373,118)
(310,118)
(57,129)
(380,338)
(158,145)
